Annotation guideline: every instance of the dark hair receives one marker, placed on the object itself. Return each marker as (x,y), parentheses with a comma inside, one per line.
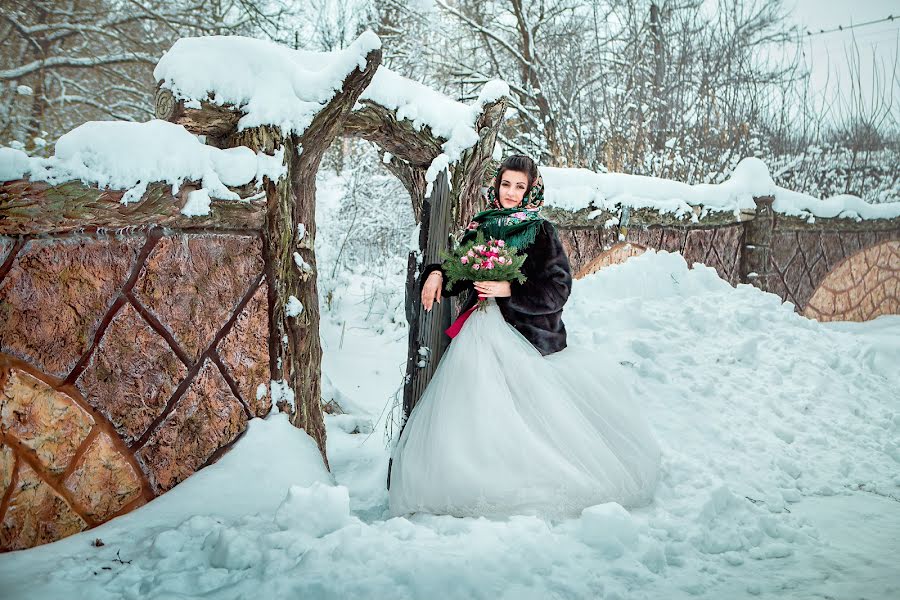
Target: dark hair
(516,162)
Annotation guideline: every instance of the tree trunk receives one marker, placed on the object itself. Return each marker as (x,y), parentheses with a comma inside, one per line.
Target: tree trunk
(294,346)
(468,176)
(659,70)
(213,121)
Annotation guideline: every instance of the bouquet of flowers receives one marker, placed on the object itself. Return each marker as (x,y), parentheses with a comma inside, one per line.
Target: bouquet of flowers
(480,260)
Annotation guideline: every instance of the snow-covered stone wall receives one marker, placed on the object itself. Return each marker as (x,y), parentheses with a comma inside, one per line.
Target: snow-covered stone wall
(829,268)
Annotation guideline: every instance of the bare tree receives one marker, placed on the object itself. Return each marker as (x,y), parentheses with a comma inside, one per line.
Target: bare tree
(843,140)
(66,62)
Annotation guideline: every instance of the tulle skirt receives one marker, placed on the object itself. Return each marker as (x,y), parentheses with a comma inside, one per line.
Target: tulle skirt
(503,430)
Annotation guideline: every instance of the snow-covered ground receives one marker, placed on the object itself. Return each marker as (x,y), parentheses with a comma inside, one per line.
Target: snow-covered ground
(780,474)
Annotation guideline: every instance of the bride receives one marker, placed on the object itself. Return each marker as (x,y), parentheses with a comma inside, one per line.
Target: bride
(513,422)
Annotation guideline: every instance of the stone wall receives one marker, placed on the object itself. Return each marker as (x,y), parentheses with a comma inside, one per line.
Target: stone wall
(127,363)
(861,287)
(830,269)
(836,271)
(717,246)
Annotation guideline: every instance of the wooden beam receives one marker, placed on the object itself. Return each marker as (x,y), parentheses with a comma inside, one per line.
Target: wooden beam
(427,340)
(36,208)
(210,119)
(447,210)
(381,126)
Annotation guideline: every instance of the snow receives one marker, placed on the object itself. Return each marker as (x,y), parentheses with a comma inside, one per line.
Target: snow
(293,307)
(272,84)
(609,529)
(129,156)
(304,266)
(314,511)
(281,391)
(779,475)
(14,164)
(574,189)
(447,119)
(197,204)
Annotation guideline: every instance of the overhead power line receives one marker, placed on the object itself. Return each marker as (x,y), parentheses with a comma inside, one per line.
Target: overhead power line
(854,26)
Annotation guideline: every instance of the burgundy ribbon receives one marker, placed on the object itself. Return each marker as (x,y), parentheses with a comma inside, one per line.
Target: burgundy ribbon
(454,329)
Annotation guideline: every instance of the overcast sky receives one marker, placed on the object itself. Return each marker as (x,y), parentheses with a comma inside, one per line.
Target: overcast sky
(827,51)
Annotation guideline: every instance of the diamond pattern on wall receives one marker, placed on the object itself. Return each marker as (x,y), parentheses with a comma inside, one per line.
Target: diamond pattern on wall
(55,296)
(205,419)
(245,352)
(802,260)
(48,423)
(103,482)
(193,284)
(36,513)
(131,375)
(65,460)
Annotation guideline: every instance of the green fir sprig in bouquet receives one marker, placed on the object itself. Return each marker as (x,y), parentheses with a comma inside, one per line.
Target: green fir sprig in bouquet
(480,260)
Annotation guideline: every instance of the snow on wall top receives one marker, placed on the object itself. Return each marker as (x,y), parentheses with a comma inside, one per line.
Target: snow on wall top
(574,189)
(129,156)
(272,84)
(448,119)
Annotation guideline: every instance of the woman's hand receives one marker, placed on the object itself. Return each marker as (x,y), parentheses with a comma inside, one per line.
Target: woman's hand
(493,289)
(431,291)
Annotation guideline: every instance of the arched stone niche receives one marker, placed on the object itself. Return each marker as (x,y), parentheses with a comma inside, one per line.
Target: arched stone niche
(861,287)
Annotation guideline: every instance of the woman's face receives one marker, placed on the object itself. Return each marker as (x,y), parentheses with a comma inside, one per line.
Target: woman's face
(512,188)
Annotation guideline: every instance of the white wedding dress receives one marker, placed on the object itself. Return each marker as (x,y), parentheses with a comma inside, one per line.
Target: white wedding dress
(502,430)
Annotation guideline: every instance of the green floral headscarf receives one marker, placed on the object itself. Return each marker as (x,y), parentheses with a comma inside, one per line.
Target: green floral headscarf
(516,226)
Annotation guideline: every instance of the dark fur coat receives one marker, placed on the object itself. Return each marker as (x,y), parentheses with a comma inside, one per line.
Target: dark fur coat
(535,307)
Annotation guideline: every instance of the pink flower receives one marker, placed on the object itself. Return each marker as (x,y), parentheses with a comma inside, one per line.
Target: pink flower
(470,253)
(501,260)
(464,259)
(501,243)
(490,265)
(475,266)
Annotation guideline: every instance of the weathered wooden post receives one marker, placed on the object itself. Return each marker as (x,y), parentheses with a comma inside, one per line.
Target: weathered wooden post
(755,263)
(427,341)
